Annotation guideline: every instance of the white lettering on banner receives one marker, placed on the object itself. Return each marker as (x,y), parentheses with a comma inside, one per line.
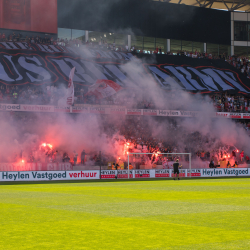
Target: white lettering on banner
(181,78)
(50,48)
(225,172)
(229,79)
(80,109)
(44,48)
(97,110)
(167,82)
(14,67)
(134,111)
(10,107)
(42,75)
(14,46)
(123,174)
(189,113)
(59,166)
(24,45)
(235,115)
(108,174)
(222,114)
(194,173)
(200,78)
(65,69)
(62,109)
(246,116)
(189,78)
(83,175)
(118,111)
(48,175)
(162,173)
(142,173)
(80,71)
(58,48)
(109,110)
(37,108)
(97,72)
(4,76)
(54,48)
(182,173)
(117,72)
(21,167)
(149,112)
(32,175)
(217,78)
(35,166)
(126,56)
(207,78)
(168,113)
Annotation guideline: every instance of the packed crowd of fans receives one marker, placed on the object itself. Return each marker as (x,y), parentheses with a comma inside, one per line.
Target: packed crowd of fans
(142,135)
(239,62)
(50,95)
(230,103)
(135,134)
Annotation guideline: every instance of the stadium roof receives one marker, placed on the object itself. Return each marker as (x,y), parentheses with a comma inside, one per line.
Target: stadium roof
(229,5)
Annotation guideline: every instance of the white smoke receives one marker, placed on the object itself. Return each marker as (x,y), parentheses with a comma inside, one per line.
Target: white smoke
(94,133)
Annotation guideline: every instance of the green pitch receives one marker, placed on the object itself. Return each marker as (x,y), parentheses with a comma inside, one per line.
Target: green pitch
(158,214)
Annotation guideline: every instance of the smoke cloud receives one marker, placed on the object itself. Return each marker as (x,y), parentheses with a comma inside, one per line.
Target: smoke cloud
(23,133)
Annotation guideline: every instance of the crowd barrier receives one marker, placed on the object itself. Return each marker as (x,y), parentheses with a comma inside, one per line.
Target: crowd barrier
(109,110)
(117,174)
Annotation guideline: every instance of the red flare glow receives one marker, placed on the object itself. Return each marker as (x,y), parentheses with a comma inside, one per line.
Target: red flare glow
(47,145)
(22,161)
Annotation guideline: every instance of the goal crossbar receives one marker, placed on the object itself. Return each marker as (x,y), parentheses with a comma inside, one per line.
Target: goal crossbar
(189,154)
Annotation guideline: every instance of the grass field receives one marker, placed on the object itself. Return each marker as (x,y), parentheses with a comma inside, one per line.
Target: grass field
(156,214)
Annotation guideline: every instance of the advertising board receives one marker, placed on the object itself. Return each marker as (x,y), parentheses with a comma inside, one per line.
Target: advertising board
(8,175)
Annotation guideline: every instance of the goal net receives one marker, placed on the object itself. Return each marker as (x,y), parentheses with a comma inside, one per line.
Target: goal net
(146,165)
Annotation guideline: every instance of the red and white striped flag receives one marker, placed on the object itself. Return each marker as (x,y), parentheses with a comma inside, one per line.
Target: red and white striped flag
(103,88)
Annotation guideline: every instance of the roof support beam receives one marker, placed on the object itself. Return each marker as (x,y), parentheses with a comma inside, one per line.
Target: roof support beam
(232,5)
(225,4)
(212,2)
(204,3)
(198,2)
(239,5)
(209,3)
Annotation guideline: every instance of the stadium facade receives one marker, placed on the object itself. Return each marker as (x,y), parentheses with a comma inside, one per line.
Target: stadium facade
(144,24)
(148,24)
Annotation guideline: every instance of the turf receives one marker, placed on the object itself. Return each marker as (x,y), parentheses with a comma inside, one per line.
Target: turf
(165,214)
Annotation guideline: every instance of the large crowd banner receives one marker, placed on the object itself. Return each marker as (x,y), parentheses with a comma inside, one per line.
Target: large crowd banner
(25,64)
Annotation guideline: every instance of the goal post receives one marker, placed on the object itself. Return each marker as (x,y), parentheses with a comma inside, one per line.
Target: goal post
(158,153)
